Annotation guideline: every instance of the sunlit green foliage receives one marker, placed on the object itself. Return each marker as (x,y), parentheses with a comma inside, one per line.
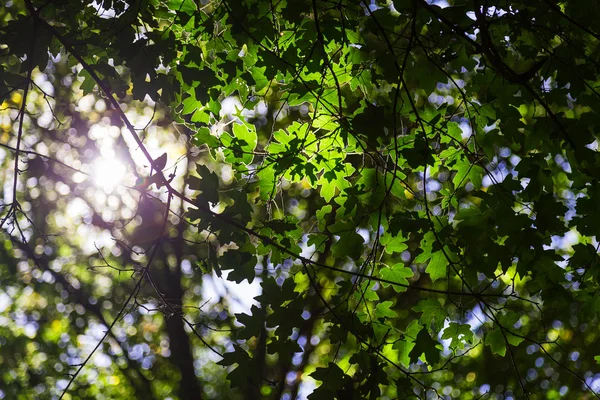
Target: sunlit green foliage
(409,189)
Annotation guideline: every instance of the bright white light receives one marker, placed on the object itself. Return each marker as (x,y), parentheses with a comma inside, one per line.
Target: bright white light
(108,173)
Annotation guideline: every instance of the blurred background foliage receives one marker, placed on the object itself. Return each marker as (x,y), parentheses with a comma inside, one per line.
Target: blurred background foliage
(359,199)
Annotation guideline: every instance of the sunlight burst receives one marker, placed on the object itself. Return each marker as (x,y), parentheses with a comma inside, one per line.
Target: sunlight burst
(108,173)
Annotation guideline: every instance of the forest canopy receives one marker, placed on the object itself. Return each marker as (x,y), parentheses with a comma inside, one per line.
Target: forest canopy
(245,199)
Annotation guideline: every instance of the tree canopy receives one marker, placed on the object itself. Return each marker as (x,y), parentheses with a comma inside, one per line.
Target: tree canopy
(299,199)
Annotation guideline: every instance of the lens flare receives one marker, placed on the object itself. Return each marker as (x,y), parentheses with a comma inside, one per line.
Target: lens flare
(108,173)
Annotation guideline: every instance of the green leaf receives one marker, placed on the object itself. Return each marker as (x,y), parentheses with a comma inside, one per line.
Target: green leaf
(393,244)
(404,348)
(432,312)
(266,183)
(425,344)
(244,372)
(242,263)
(253,323)
(460,334)
(437,266)
(453,133)
(495,339)
(463,169)
(208,185)
(334,178)
(245,144)
(371,123)
(204,137)
(186,6)
(88,84)
(326,209)
(350,244)
(332,377)
(472,216)
(396,273)
(382,310)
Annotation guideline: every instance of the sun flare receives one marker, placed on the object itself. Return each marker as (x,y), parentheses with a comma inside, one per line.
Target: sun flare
(108,173)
